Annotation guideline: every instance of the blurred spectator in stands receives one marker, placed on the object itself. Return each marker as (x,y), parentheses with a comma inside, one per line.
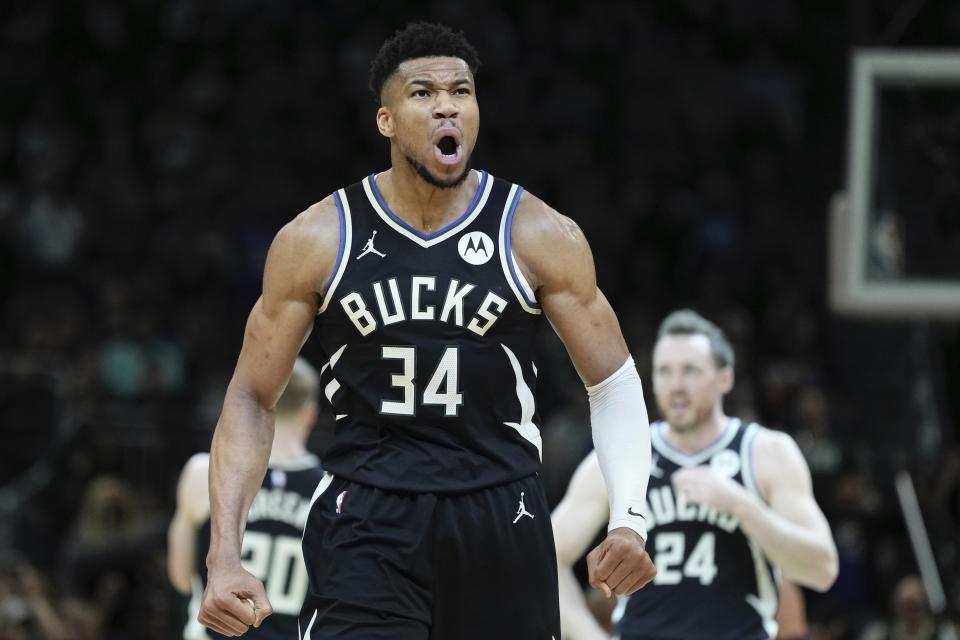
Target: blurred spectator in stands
(111,557)
(854,519)
(813,430)
(15,615)
(912,618)
(137,359)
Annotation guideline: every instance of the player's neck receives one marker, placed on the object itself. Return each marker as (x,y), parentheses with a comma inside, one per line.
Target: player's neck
(700,436)
(422,205)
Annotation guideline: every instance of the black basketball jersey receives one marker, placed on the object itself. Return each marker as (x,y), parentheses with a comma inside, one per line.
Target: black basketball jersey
(429,340)
(271,549)
(712,582)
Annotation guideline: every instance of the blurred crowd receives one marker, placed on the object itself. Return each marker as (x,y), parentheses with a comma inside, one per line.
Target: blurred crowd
(150,150)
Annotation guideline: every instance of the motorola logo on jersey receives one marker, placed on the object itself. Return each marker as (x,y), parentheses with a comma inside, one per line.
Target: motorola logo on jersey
(475,247)
(726,463)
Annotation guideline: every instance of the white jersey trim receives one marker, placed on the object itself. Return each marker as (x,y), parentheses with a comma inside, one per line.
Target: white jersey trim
(746,459)
(522,279)
(486,184)
(766,601)
(343,257)
(525,427)
(306,634)
(522,291)
(682,459)
(321,487)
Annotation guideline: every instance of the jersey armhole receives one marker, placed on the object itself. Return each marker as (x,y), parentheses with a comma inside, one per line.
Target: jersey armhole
(746,461)
(514,276)
(343,214)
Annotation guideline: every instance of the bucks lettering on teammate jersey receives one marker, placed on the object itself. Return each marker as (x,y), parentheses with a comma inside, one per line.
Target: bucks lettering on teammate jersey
(712,582)
(429,341)
(270,549)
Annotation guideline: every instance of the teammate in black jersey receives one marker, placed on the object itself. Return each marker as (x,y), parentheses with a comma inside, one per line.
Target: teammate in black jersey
(271,542)
(425,283)
(730,506)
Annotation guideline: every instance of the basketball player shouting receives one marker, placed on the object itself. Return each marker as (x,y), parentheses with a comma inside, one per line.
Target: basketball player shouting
(426,283)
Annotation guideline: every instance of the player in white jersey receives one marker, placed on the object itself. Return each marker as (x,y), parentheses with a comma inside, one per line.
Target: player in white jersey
(271,543)
(729,506)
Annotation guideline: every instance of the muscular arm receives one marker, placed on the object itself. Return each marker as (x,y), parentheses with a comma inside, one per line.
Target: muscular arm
(556,258)
(192,507)
(576,520)
(792,531)
(789,527)
(298,263)
(554,254)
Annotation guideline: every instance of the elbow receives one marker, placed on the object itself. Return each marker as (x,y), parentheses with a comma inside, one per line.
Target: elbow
(242,403)
(823,572)
(828,573)
(245,396)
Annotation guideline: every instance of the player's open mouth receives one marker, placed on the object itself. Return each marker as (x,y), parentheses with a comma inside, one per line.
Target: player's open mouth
(448,150)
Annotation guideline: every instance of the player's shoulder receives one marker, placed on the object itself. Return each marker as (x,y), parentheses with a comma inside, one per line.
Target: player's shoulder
(197,464)
(192,488)
(195,470)
(535,220)
(547,243)
(316,226)
(777,459)
(305,250)
(773,442)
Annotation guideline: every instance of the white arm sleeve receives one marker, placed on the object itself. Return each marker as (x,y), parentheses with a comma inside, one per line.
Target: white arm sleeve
(621,436)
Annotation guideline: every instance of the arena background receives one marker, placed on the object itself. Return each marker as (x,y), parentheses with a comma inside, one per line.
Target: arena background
(149,150)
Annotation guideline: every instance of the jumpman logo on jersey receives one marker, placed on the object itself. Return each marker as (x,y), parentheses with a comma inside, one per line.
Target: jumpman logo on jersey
(368,248)
(521,510)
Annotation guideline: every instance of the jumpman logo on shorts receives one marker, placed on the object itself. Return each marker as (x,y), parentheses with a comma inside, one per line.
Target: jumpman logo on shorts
(521,510)
(368,248)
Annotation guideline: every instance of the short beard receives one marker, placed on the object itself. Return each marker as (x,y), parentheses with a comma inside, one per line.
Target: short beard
(424,173)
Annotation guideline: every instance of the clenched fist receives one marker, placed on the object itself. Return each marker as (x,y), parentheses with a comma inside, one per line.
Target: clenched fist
(233,601)
(620,563)
(703,485)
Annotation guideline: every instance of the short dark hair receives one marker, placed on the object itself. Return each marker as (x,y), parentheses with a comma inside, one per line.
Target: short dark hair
(419,40)
(686,322)
(303,387)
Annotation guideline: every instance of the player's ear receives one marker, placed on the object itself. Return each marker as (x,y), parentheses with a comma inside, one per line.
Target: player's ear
(726,379)
(385,122)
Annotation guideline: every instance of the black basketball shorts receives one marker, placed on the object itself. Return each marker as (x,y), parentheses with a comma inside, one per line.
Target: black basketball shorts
(385,565)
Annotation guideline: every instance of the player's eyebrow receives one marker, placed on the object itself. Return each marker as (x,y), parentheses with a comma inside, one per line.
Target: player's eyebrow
(430,83)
